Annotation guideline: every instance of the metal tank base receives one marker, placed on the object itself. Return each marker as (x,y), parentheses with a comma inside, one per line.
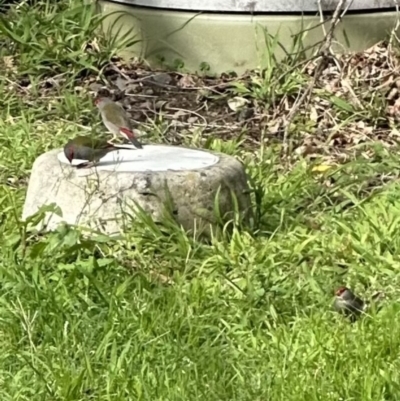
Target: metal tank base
(230,41)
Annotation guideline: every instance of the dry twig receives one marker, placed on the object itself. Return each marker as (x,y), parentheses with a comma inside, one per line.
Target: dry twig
(323,52)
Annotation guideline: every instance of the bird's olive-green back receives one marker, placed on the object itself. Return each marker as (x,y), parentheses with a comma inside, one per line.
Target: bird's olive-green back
(90,142)
(116,115)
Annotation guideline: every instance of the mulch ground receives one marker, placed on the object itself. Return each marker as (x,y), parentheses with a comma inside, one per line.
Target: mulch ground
(356,100)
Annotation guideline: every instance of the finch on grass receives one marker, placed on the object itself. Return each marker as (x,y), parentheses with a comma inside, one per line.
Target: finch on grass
(348,304)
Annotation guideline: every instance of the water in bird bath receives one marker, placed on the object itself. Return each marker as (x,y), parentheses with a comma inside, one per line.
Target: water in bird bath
(151,158)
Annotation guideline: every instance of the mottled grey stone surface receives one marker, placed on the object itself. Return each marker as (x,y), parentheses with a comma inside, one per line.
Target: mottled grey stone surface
(104,200)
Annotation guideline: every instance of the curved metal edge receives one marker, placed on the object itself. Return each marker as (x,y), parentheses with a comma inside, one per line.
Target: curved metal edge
(258,5)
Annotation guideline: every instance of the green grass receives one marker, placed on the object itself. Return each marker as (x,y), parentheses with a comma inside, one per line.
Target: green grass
(159,315)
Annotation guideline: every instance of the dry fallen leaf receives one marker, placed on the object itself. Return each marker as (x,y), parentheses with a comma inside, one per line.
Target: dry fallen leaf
(162,78)
(321,168)
(236,103)
(121,83)
(313,114)
(186,81)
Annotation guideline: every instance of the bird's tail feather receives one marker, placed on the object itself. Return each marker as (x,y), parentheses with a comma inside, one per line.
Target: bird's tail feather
(129,134)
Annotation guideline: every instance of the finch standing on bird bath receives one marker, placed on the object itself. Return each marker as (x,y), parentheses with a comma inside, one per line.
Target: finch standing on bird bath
(87,148)
(116,120)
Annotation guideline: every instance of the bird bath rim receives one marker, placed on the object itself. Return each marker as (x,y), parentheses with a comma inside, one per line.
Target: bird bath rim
(151,158)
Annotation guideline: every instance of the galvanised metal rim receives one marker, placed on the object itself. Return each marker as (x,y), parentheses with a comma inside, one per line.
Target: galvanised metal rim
(258,5)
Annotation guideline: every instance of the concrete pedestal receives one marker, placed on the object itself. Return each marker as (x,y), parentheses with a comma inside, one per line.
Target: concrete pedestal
(186,181)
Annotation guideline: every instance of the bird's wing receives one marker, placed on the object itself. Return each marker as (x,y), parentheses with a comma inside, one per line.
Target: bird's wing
(116,115)
(94,143)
